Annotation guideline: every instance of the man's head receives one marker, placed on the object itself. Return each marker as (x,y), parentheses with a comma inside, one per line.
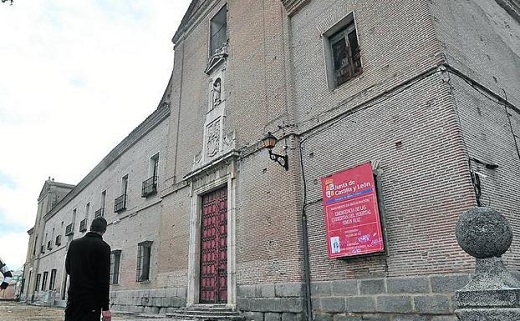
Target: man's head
(98,225)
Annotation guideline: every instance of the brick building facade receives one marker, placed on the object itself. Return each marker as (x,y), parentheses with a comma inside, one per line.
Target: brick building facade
(426,92)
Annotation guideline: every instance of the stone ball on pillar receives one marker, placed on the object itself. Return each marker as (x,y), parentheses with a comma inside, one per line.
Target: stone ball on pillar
(483,232)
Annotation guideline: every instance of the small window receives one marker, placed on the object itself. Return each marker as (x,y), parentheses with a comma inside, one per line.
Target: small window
(44,282)
(124,184)
(52,285)
(115,261)
(218,31)
(87,211)
(37,285)
(58,240)
(154,165)
(144,253)
(344,54)
(150,185)
(35,245)
(120,202)
(83,225)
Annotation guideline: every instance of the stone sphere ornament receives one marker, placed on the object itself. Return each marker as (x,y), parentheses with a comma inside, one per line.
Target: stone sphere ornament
(483,232)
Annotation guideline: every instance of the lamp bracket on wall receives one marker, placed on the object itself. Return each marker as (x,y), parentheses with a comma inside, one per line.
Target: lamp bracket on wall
(269,141)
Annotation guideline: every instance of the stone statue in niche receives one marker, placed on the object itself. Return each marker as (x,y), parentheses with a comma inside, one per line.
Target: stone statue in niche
(217,91)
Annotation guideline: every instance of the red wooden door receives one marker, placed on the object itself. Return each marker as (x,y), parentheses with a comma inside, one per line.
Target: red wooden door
(213,258)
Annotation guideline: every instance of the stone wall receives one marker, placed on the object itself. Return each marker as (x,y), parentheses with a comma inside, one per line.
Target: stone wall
(155,301)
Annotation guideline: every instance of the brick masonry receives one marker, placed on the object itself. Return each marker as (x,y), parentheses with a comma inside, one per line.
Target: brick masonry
(437,100)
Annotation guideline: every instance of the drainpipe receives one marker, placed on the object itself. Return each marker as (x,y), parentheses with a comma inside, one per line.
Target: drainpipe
(305,242)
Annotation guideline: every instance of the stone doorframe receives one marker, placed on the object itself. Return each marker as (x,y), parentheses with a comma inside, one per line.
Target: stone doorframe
(215,176)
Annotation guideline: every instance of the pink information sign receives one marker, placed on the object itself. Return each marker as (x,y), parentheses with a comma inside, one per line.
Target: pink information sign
(351,212)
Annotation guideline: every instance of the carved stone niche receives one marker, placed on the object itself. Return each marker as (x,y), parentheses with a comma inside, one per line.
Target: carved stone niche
(216,91)
(292,6)
(218,140)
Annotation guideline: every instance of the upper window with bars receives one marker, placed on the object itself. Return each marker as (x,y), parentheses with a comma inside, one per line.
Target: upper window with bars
(344,53)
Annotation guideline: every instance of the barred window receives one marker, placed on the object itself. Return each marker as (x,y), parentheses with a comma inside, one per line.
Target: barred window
(144,253)
(115,262)
(344,54)
(44,282)
(37,285)
(52,283)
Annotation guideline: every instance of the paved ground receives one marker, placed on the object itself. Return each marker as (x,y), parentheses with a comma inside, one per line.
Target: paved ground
(16,311)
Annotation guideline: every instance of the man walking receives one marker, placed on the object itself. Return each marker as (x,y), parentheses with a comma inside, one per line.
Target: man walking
(88,264)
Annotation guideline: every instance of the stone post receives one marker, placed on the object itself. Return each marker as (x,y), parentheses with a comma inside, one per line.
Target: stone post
(493,294)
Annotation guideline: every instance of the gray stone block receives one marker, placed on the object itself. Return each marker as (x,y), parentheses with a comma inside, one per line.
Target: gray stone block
(344,287)
(289,290)
(267,290)
(287,316)
(444,318)
(360,304)
(243,304)
(182,292)
(167,302)
(253,316)
(170,292)
(408,285)
(316,303)
(247,291)
(394,304)
(448,283)
(291,305)
(372,286)
(433,304)
(376,317)
(151,310)
(319,316)
(333,304)
(136,309)
(265,304)
(269,316)
(321,288)
(363,317)
(179,302)
(411,317)
(348,318)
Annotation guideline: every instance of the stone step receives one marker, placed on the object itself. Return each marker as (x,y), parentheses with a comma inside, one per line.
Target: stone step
(149,316)
(208,307)
(206,316)
(206,312)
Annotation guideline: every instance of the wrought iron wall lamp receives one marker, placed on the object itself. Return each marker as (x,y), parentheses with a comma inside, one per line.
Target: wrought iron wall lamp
(269,141)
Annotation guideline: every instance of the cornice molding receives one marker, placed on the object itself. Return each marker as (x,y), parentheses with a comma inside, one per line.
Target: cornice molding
(292,6)
(512,7)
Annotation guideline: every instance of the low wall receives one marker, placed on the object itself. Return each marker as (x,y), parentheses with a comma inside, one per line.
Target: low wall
(420,298)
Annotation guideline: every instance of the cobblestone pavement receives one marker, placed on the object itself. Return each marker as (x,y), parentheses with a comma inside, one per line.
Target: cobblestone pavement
(16,311)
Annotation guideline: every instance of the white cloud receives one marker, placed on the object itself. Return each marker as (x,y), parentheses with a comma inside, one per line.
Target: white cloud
(14,249)
(75,78)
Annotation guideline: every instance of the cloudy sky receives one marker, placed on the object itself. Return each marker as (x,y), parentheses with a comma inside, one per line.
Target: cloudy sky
(75,78)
